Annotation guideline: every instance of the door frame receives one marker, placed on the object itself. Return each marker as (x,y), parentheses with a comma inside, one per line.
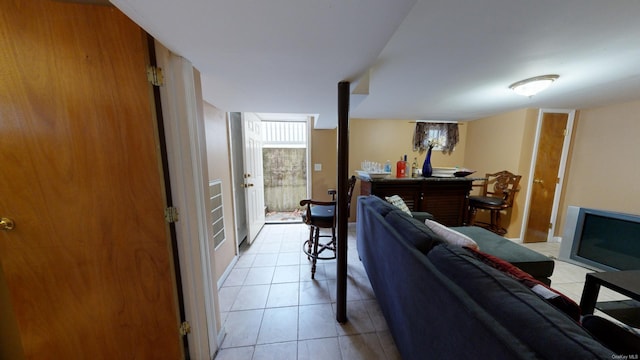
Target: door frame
(310,119)
(186,151)
(561,170)
(249,181)
(235,153)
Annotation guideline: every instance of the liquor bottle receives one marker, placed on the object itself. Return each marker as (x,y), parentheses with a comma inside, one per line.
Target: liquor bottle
(414,167)
(401,168)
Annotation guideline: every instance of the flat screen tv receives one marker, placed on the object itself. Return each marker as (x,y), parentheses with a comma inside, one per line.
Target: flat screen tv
(601,240)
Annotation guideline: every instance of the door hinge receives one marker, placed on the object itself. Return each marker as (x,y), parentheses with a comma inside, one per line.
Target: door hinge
(171,214)
(550,226)
(155,76)
(185,328)
(564,132)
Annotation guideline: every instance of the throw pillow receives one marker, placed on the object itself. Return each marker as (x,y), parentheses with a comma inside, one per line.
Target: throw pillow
(413,231)
(399,203)
(553,296)
(451,236)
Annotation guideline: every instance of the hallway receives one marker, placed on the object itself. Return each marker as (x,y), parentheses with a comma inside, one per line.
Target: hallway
(271,309)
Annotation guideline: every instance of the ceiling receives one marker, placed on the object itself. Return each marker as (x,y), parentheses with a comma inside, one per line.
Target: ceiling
(405,59)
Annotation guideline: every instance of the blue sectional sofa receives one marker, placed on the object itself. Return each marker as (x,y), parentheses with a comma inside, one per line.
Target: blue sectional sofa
(440,301)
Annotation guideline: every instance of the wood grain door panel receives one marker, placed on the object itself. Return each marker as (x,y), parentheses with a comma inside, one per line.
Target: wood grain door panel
(88,265)
(552,136)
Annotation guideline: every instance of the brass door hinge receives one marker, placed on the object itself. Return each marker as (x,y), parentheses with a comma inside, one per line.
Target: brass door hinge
(550,226)
(185,328)
(171,214)
(155,76)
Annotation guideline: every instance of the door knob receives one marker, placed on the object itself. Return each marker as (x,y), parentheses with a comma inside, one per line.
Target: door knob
(538,181)
(7,224)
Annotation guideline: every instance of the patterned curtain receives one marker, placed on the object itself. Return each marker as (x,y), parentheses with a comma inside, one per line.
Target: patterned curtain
(447,136)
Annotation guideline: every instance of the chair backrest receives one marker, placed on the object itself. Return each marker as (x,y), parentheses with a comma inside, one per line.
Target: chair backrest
(502,184)
(352,184)
(308,203)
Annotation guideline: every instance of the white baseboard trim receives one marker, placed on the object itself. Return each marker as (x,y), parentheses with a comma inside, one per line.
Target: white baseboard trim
(227,271)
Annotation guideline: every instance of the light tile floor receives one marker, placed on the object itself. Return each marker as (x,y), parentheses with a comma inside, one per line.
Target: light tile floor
(271,309)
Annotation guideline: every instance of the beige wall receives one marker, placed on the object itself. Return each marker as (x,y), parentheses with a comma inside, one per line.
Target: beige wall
(324,148)
(382,140)
(219,167)
(503,142)
(374,140)
(603,168)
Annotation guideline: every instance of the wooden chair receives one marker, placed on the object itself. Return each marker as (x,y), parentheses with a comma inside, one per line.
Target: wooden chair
(498,193)
(322,215)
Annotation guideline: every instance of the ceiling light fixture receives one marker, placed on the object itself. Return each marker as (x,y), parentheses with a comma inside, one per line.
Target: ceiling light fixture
(534,85)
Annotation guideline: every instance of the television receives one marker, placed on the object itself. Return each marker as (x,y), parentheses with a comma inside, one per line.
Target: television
(601,240)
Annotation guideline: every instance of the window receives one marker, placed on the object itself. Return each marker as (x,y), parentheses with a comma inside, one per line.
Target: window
(444,135)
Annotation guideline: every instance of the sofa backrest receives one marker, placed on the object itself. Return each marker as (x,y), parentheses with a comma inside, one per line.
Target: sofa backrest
(531,319)
(429,316)
(441,303)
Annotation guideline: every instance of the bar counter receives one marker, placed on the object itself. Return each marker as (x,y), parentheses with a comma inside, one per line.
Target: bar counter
(446,198)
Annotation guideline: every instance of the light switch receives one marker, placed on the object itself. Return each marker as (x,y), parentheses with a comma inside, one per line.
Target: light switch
(317,167)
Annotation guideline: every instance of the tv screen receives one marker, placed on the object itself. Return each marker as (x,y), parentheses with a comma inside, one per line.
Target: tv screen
(607,240)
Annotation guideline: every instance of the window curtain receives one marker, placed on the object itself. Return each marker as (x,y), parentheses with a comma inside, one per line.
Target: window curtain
(448,131)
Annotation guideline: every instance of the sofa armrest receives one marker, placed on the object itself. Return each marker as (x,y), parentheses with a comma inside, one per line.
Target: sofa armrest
(422,215)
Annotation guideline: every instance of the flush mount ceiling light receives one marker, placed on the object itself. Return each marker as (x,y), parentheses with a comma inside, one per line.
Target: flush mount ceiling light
(534,85)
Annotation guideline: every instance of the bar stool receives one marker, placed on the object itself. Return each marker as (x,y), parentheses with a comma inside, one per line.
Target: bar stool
(498,193)
(322,215)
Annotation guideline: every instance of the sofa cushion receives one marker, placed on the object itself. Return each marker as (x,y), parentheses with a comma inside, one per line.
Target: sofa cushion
(412,230)
(378,205)
(397,201)
(533,321)
(554,297)
(537,265)
(449,235)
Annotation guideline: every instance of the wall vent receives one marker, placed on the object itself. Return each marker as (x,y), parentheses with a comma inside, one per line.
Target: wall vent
(217,212)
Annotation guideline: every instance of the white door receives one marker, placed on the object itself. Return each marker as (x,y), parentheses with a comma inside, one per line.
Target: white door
(253,177)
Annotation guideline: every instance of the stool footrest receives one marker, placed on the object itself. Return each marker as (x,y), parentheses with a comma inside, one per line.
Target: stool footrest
(321,248)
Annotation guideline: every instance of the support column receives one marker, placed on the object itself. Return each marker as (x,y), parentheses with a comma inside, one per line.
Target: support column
(342,206)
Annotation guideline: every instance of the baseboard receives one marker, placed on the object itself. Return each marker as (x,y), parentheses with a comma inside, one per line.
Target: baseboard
(227,271)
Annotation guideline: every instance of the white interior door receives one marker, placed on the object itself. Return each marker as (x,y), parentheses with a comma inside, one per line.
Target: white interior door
(253,174)
(237,172)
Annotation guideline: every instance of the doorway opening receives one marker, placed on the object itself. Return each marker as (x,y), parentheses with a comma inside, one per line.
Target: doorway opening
(551,150)
(284,157)
(285,153)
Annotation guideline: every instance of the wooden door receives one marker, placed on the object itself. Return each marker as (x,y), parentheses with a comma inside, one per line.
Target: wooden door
(253,174)
(545,177)
(87,268)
